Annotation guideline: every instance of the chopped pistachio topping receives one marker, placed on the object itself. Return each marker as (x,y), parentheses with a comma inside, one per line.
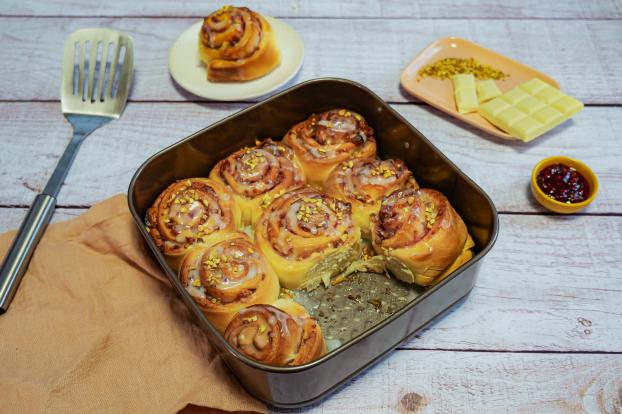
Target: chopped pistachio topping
(448,67)
(213,279)
(307,210)
(265,200)
(430,215)
(213,262)
(250,319)
(253,160)
(382,170)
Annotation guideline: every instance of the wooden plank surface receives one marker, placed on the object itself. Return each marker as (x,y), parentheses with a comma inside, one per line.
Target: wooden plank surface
(575,9)
(583,56)
(425,382)
(550,283)
(569,297)
(34,136)
(540,332)
(11,218)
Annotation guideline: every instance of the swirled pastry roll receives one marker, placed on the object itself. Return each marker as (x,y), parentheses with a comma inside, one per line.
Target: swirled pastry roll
(308,237)
(324,140)
(363,182)
(258,175)
(188,212)
(280,334)
(421,236)
(227,275)
(237,44)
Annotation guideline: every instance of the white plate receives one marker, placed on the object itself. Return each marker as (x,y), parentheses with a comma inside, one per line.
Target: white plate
(190,73)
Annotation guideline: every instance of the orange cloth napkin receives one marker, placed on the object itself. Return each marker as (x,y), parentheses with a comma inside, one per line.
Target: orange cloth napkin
(95,327)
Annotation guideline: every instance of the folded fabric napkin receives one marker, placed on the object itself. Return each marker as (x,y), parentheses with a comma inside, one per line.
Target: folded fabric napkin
(95,327)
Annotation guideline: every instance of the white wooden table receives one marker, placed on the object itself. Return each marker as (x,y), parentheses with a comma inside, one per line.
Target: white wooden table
(542,330)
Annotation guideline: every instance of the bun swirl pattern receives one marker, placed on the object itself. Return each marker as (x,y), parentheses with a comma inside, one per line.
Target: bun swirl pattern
(421,236)
(324,140)
(237,44)
(281,334)
(308,237)
(226,276)
(363,182)
(188,212)
(258,175)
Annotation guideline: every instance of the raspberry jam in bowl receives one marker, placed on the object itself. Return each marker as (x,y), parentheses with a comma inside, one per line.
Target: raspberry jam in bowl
(563,185)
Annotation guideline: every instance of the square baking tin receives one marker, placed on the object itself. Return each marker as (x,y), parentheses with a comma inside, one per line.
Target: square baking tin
(195,155)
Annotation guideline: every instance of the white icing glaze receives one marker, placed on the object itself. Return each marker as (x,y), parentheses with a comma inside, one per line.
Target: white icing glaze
(197,292)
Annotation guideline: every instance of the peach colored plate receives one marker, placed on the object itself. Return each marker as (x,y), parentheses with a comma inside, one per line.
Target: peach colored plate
(439,93)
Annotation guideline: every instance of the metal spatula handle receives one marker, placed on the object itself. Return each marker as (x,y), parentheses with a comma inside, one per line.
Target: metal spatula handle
(97,71)
(28,236)
(40,213)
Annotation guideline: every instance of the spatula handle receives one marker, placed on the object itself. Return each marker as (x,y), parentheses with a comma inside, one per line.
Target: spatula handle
(19,255)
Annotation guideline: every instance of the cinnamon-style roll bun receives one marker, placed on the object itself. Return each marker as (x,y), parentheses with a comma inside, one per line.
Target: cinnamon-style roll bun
(324,140)
(308,237)
(421,236)
(258,175)
(280,334)
(237,44)
(227,275)
(363,182)
(188,212)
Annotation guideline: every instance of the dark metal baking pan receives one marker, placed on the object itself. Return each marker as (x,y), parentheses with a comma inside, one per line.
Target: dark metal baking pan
(195,155)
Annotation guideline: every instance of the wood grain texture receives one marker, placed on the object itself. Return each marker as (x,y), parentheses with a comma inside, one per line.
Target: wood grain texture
(550,283)
(545,312)
(568,297)
(425,382)
(583,56)
(34,135)
(11,218)
(503,168)
(574,9)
